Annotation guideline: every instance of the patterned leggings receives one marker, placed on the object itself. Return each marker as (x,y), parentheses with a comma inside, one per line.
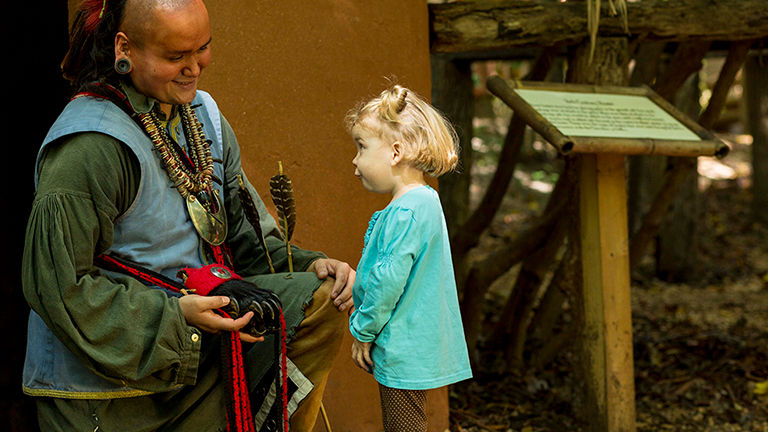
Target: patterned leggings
(403,410)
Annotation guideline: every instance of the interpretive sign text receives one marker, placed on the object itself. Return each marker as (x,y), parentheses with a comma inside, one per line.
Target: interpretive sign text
(606,115)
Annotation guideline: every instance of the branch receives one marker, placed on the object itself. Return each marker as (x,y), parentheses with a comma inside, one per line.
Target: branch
(519,312)
(467,236)
(681,167)
(685,62)
(497,262)
(736,57)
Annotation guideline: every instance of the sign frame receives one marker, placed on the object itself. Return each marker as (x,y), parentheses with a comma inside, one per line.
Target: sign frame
(708,145)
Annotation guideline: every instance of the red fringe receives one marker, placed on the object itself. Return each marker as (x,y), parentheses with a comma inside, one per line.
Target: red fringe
(284,369)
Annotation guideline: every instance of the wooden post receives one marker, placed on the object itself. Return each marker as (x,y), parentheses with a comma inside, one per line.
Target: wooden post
(607,308)
(607,303)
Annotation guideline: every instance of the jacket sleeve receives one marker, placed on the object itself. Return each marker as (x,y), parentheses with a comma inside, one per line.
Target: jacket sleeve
(122,330)
(248,255)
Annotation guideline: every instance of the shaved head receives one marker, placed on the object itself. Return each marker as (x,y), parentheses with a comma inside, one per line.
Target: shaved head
(167,44)
(140,16)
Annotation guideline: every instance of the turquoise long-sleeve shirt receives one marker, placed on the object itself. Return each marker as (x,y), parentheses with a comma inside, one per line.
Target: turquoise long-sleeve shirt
(405,296)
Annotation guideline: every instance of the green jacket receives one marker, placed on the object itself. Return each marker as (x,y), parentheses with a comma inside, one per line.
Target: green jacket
(86,182)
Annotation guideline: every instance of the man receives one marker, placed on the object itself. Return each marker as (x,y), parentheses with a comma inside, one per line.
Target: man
(127,171)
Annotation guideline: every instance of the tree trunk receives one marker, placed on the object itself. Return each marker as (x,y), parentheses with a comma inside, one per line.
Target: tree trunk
(647,62)
(658,178)
(677,243)
(452,94)
(756,98)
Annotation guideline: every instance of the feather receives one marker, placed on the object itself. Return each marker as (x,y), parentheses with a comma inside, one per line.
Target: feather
(93,11)
(281,190)
(252,215)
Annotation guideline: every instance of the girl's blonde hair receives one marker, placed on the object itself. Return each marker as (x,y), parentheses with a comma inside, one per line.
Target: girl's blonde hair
(428,139)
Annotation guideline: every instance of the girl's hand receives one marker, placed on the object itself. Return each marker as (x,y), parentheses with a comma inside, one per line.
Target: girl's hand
(361,354)
(199,312)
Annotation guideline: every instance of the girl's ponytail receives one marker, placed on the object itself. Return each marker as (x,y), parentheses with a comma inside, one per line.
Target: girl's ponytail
(392,103)
(398,114)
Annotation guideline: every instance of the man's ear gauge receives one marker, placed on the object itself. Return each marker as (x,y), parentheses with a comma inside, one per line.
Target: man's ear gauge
(123,66)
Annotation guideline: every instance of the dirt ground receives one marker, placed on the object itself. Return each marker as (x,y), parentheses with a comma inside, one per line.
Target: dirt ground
(700,349)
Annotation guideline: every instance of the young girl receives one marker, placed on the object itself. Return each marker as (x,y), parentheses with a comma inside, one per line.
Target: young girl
(406,322)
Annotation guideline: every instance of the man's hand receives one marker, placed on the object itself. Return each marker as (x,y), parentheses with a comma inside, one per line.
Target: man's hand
(199,312)
(341,294)
(361,354)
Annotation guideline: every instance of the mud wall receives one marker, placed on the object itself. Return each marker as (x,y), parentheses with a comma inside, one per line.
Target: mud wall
(284,75)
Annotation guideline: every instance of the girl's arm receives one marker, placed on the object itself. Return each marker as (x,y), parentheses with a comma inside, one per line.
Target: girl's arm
(398,244)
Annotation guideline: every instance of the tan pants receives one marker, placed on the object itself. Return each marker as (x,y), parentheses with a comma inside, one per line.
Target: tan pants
(318,339)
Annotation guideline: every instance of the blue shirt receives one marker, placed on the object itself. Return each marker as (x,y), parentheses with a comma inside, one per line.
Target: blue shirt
(405,296)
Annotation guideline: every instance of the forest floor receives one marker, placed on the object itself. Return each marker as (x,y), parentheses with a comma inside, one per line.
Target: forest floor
(700,348)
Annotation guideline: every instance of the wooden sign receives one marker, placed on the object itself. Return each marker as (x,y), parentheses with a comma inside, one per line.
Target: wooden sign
(606,119)
(606,115)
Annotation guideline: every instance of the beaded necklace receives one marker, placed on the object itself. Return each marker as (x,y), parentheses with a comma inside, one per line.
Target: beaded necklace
(188,180)
(190,174)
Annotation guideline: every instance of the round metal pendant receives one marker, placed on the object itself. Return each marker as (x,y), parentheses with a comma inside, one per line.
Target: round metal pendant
(221,273)
(212,227)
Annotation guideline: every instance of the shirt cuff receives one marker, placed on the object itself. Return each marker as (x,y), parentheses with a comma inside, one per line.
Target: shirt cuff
(357,334)
(189,357)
